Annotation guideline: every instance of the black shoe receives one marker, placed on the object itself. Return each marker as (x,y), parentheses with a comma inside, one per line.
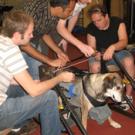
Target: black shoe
(124,105)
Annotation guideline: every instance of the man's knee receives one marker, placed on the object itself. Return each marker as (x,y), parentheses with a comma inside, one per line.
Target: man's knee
(128,61)
(51,96)
(94,68)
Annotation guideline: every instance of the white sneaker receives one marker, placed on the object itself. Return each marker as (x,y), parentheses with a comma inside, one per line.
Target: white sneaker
(125,106)
(15,129)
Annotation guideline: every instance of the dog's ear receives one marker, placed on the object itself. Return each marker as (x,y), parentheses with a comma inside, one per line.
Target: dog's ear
(108,82)
(111,80)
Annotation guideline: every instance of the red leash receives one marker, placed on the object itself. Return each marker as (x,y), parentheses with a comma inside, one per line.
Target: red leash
(72,63)
(75,62)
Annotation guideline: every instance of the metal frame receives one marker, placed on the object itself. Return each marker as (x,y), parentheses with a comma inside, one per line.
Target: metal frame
(116,107)
(68,108)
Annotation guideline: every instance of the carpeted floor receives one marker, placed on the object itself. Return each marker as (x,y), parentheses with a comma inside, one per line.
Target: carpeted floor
(128,127)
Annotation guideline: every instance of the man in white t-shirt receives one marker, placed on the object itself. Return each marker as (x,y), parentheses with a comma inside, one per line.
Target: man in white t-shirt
(17,106)
(72,20)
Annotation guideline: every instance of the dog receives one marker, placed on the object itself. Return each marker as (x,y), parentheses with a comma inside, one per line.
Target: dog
(99,87)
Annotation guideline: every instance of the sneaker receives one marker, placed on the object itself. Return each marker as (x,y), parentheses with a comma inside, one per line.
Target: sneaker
(124,105)
(15,129)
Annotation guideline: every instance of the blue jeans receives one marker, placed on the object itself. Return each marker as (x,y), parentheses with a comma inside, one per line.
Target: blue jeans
(33,64)
(20,107)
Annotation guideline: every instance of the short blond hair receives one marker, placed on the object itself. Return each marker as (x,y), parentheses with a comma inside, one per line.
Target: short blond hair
(15,21)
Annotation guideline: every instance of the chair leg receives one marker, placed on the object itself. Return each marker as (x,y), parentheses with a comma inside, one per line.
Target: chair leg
(73,114)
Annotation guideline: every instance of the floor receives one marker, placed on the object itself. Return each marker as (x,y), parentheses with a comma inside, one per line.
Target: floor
(128,127)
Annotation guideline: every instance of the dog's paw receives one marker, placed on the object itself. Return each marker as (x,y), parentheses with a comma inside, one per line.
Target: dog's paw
(115,124)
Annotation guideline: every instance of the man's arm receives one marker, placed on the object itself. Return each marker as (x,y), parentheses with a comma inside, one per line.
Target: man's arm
(91,41)
(121,44)
(49,41)
(123,38)
(72,22)
(35,88)
(87,50)
(41,57)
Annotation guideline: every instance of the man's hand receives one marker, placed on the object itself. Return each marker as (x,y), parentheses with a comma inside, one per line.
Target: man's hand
(109,53)
(57,63)
(62,56)
(87,50)
(66,76)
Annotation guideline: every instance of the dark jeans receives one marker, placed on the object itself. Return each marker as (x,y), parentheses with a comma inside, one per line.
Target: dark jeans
(19,107)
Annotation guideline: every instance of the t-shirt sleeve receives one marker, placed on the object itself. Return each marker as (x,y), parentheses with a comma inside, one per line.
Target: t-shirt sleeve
(14,61)
(90,29)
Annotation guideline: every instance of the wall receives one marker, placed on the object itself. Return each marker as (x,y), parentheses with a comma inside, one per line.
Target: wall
(15,3)
(86,19)
(117,8)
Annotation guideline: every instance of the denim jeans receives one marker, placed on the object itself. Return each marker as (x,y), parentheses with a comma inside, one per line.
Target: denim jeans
(120,55)
(20,107)
(33,64)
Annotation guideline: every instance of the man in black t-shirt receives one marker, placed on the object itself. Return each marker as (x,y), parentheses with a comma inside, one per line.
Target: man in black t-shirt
(108,35)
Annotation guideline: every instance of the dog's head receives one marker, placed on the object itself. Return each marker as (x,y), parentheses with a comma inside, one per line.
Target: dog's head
(113,86)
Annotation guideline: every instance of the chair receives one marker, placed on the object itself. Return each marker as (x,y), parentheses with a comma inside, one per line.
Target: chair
(45,73)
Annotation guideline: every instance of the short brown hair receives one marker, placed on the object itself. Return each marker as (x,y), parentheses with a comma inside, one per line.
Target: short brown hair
(15,21)
(98,8)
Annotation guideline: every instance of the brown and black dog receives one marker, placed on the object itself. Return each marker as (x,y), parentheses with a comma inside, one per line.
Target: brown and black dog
(99,86)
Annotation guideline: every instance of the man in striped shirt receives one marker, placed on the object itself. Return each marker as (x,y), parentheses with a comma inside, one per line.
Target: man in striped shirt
(17,106)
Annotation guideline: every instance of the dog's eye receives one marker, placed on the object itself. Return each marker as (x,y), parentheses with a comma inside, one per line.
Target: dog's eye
(118,87)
